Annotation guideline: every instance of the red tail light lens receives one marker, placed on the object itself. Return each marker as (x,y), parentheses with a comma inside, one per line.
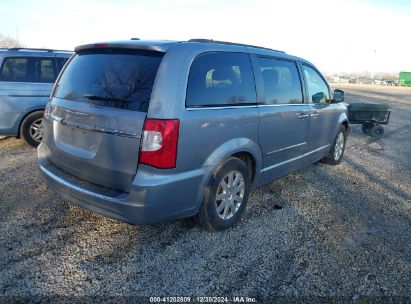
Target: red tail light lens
(101,45)
(159,145)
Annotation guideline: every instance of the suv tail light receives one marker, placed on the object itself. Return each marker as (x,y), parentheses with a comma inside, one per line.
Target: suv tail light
(159,146)
(47,110)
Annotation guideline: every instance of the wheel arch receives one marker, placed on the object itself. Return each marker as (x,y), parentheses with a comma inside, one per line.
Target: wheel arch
(249,160)
(342,121)
(345,124)
(24,117)
(242,148)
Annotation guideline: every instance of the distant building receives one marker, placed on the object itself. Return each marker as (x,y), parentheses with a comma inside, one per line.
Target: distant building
(362,80)
(340,79)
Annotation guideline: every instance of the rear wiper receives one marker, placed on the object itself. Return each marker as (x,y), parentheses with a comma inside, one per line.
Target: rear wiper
(103,98)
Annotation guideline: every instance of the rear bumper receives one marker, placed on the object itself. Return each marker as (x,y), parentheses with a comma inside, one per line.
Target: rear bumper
(153,197)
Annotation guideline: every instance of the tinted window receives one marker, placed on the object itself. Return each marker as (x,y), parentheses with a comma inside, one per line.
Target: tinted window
(15,69)
(61,61)
(112,78)
(218,79)
(281,80)
(28,69)
(46,70)
(317,88)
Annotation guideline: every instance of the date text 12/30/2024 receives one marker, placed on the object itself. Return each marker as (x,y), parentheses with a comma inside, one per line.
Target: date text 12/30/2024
(203,300)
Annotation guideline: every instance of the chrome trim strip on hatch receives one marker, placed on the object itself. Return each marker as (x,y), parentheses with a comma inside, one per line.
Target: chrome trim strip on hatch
(77,113)
(94,128)
(293,159)
(286,148)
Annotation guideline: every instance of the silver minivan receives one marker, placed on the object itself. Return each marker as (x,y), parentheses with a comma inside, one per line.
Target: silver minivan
(149,131)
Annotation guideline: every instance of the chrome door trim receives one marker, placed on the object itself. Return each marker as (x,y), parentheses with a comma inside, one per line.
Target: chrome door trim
(286,148)
(293,159)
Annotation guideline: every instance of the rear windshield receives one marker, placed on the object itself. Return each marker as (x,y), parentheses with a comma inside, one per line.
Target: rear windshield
(111,77)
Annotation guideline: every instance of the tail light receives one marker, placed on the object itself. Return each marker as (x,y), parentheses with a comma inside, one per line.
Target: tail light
(101,45)
(159,146)
(47,110)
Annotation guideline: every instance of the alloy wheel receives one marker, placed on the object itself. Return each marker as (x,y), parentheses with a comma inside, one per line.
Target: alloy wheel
(36,130)
(230,195)
(339,146)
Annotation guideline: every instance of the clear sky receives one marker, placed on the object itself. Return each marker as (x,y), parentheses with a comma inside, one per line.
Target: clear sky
(336,35)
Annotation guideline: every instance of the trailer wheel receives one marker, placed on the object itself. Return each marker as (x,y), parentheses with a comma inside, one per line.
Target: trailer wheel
(377,131)
(366,127)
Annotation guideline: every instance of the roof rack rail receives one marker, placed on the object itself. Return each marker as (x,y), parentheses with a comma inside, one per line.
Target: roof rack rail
(36,49)
(230,43)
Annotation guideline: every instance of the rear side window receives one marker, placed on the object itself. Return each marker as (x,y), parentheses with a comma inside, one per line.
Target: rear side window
(28,69)
(46,70)
(15,69)
(281,80)
(221,79)
(117,78)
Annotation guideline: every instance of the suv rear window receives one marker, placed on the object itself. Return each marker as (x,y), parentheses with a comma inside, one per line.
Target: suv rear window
(117,78)
(221,79)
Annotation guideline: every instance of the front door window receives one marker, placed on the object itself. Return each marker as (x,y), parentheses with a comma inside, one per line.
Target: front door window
(318,91)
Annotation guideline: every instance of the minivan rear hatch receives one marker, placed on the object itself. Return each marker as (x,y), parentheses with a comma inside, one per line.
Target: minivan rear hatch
(99,105)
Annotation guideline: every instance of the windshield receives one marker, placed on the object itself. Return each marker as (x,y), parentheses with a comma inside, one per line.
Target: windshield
(116,78)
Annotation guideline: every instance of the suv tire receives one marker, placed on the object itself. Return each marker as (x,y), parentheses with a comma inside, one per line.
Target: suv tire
(336,153)
(226,196)
(31,128)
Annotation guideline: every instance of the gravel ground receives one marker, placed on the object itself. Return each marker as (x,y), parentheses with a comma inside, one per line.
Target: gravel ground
(323,233)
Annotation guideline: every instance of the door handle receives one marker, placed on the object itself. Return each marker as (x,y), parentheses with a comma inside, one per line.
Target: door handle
(303,115)
(314,114)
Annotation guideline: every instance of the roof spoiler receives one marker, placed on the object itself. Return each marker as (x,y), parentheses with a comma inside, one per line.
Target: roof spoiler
(114,45)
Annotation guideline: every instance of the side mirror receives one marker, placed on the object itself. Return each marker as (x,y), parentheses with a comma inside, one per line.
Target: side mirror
(338,96)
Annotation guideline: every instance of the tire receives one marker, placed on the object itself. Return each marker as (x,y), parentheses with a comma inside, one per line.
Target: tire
(336,153)
(31,129)
(220,214)
(377,132)
(366,128)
